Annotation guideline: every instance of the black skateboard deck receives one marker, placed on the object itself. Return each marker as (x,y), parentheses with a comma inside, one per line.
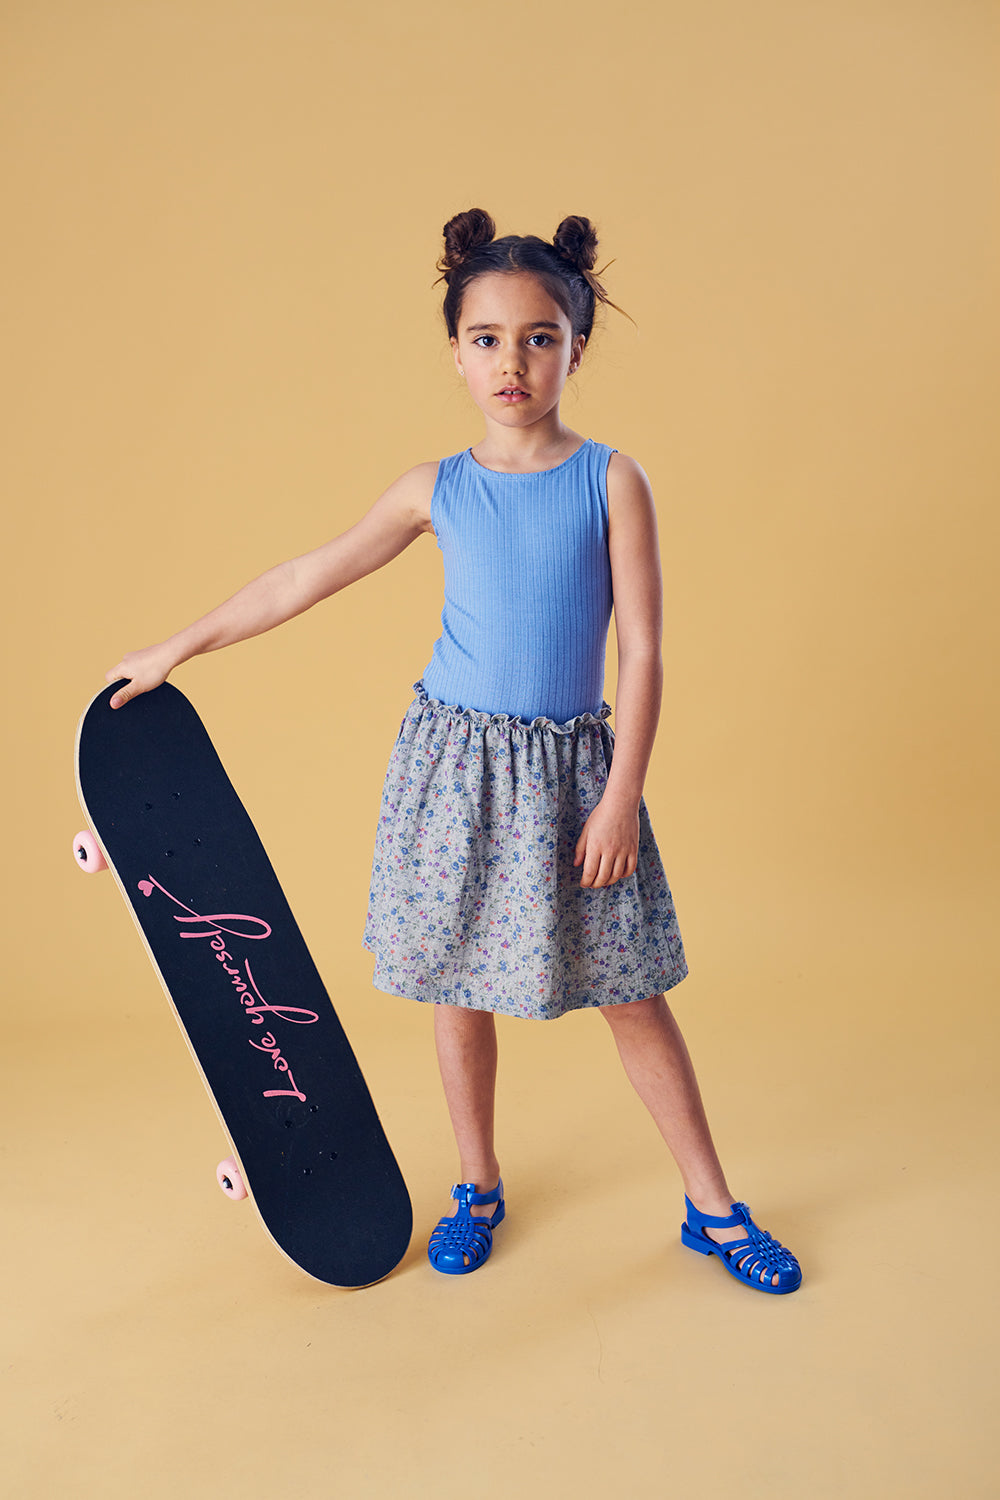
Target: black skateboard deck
(272,1053)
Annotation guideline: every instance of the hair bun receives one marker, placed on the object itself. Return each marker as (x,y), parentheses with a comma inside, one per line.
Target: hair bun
(564,265)
(463,234)
(576,241)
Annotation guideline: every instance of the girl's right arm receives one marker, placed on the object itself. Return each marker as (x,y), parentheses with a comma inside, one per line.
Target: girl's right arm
(396,519)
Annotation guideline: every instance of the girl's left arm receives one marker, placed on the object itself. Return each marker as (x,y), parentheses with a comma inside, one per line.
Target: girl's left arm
(609,842)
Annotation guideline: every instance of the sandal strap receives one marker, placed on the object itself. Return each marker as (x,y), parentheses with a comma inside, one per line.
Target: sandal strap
(696,1219)
(466,1193)
(760,1247)
(767,1249)
(462,1235)
(757,1239)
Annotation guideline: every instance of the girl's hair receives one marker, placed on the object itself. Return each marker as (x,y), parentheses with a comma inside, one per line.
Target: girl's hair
(564,267)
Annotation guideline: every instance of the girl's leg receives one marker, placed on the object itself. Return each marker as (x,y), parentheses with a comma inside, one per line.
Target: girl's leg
(466,1043)
(659,1068)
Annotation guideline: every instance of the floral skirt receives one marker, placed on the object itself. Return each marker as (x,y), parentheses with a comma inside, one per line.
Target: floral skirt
(474,897)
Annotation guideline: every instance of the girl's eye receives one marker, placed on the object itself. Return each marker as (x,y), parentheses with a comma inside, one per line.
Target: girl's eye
(487,340)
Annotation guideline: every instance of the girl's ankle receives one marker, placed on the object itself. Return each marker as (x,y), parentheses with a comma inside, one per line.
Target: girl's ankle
(484,1178)
(711,1200)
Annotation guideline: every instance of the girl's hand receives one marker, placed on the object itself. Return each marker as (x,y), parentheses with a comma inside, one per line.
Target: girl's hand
(145,670)
(608,847)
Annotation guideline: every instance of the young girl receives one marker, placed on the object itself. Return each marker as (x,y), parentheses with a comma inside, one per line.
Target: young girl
(515,869)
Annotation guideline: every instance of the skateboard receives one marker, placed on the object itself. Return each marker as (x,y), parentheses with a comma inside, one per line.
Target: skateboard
(308,1146)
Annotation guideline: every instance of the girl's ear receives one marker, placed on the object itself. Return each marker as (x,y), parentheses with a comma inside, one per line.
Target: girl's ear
(458,361)
(576,355)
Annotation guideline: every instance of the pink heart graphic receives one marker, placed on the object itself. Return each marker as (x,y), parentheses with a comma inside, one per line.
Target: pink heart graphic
(146,887)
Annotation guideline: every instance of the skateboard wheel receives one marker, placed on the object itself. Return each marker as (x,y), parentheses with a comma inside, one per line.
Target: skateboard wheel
(87,853)
(227,1175)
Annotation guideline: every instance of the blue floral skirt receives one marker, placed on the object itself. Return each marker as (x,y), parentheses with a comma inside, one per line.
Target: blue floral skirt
(474,897)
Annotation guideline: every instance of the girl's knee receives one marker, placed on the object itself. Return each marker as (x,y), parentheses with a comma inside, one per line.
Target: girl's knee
(463,1019)
(634,1012)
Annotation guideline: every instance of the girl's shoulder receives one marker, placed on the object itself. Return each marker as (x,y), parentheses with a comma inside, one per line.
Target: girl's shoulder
(628,485)
(622,464)
(422,476)
(413,490)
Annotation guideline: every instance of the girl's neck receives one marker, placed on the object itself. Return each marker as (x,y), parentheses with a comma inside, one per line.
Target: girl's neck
(525,450)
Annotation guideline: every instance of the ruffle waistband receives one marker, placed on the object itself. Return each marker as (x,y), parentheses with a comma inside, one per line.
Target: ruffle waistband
(482,719)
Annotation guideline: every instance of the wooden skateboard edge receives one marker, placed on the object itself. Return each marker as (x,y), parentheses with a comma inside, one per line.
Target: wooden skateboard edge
(352,1286)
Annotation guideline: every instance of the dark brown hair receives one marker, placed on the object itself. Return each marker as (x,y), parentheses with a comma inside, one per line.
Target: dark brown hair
(565,267)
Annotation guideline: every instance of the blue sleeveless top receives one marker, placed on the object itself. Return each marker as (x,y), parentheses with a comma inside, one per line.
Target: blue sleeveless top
(527,586)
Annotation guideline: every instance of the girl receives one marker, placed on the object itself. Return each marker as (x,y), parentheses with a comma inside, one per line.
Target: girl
(515,869)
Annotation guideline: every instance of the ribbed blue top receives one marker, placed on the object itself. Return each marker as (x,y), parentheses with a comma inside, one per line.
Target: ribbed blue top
(527,586)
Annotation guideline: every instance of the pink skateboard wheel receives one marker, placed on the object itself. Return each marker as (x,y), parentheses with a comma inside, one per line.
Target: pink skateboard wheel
(228,1177)
(87,853)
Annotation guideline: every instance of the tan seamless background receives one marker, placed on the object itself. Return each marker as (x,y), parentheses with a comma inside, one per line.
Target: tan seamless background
(222,342)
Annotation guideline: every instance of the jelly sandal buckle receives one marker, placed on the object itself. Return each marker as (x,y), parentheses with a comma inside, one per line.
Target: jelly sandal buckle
(462,1242)
(754,1260)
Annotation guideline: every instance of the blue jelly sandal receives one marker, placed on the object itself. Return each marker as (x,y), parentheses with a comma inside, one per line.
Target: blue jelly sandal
(463,1242)
(755,1260)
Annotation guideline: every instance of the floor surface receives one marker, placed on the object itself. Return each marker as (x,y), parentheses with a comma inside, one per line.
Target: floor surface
(157,1341)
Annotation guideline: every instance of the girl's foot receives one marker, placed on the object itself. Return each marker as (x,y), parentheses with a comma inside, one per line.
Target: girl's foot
(462,1241)
(750,1263)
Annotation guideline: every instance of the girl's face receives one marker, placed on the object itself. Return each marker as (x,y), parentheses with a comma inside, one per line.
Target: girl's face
(515,347)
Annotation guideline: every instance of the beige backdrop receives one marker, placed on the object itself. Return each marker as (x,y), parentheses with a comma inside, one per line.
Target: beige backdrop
(222,342)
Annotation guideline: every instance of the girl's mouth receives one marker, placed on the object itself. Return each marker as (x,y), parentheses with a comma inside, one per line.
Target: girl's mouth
(511,394)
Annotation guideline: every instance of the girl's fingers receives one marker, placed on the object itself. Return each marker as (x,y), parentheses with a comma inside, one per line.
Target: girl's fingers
(587,850)
(607,868)
(598,869)
(602,867)
(115,674)
(133,687)
(142,670)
